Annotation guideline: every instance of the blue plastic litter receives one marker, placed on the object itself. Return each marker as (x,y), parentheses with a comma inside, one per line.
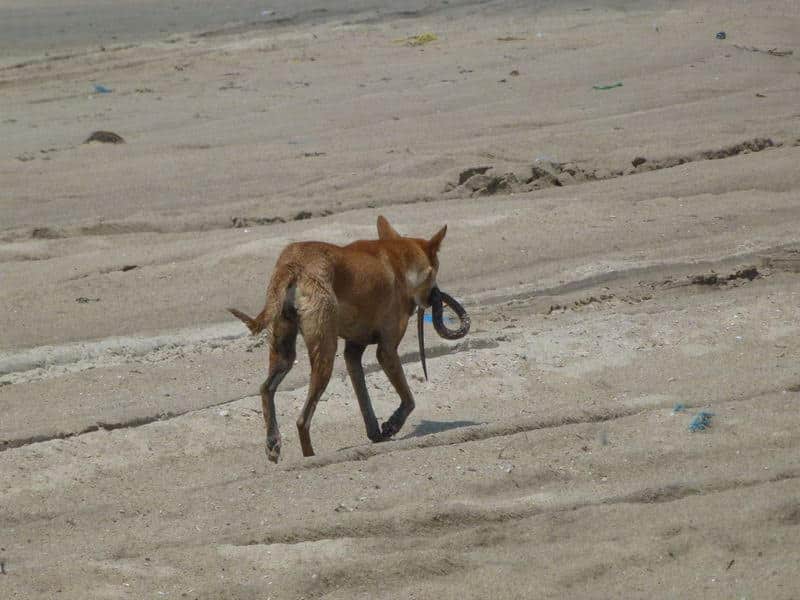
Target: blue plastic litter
(721,35)
(101,89)
(678,408)
(701,421)
(447,319)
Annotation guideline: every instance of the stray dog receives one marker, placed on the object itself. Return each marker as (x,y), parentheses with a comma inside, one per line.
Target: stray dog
(364,292)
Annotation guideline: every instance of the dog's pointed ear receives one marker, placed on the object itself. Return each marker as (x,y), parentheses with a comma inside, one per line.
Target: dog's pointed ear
(436,241)
(386,231)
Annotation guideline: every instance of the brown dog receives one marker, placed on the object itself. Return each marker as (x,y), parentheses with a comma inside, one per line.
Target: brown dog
(364,292)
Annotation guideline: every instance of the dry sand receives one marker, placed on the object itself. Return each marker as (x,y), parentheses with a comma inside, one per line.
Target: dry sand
(544,459)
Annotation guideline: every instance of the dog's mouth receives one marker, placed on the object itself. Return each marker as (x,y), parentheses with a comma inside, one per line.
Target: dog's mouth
(437,300)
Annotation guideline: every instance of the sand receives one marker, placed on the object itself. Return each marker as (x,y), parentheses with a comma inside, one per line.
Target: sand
(630,257)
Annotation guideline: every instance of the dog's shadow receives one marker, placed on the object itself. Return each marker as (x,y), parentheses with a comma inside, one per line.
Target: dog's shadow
(425,427)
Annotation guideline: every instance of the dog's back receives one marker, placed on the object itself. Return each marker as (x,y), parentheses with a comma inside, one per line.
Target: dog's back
(365,282)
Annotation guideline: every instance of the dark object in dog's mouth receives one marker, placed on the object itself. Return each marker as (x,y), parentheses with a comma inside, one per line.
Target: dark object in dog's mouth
(437,299)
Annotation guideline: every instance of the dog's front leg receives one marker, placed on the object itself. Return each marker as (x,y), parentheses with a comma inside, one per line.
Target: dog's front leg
(390,362)
(352,356)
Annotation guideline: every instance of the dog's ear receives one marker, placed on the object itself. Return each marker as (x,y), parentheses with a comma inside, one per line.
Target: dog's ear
(386,231)
(436,241)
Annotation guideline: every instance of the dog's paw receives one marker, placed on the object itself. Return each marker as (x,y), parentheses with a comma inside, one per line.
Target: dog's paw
(273,450)
(389,428)
(377,437)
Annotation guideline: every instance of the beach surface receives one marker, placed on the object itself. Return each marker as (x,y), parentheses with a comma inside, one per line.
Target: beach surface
(622,195)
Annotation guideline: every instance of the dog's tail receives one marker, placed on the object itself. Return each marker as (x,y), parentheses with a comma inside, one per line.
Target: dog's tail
(276,294)
(255,325)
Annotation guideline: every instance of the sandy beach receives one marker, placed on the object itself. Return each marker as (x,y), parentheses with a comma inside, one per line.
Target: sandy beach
(622,194)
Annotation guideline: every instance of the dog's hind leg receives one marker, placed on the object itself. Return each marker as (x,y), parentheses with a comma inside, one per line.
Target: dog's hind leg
(390,362)
(318,325)
(281,360)
(321,353)
(352,356)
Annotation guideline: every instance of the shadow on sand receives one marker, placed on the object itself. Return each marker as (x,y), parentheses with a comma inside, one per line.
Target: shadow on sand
(426,427)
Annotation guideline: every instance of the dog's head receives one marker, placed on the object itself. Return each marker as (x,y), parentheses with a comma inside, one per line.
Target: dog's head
(422,261)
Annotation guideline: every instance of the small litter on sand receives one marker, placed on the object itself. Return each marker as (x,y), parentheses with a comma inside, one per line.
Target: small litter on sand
(418,40)
(106,137)
(607,87)
(701,421)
